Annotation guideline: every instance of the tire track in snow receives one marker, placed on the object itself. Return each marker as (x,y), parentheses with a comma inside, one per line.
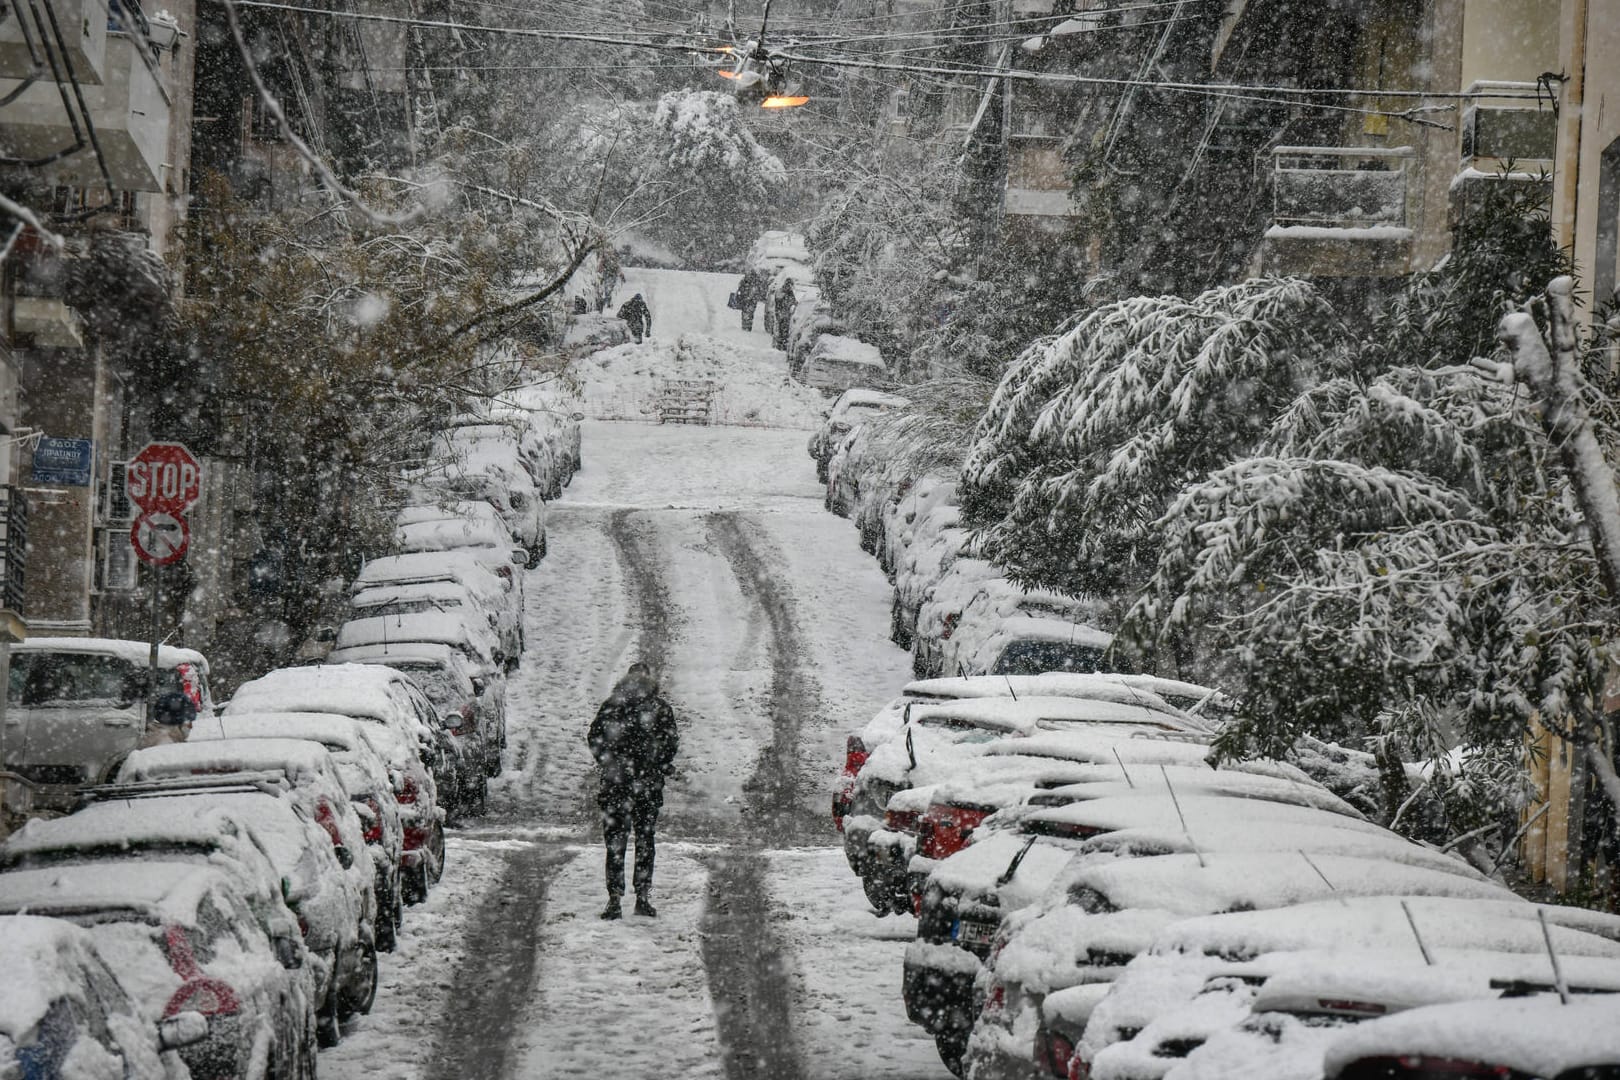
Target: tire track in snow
(496,978)
(638,557)
(748,967)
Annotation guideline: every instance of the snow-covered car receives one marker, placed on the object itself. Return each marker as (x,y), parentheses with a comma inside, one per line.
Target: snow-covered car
(398,720)
(940,613)
(937,544)
(471,706)
(1539,1037)
(775,248)
(76,707)
(836,363)
(592,332)
(367,780)
(445,596)
(1008,630)
(852,407)
(347,874)
(415,580)
(1099,913)
(490,542)
(472,638)
(69,1017)
(914,517)
(506,424)
(491,469)
(813,318)
(179,939)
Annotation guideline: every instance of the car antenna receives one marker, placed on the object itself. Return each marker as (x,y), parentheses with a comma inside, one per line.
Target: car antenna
(1412,922)
(911,751)
(1122,767)
(1174,801)
(1552,954)
(1012,867)
(1010,689)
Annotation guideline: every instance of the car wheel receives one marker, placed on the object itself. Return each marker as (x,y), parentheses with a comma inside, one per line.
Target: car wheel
(536,553)
(493,765)
(415,886)
(360,1001)
(821,471)
(478,805)
(436,869)
(952,1045)
(919,666)
(878,894)
(328,1027)
(388,925)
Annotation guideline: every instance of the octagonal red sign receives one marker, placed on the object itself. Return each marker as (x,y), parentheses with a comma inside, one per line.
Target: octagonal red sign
(164,478)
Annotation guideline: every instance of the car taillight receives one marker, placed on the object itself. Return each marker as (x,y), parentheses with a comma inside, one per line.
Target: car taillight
(416,837)
(469,720)
(1353,1008)
(950,626)
(505,573)
(1079,1068)
(900,820)
(408,790)
(947,828)
(303,927)
(1053,1052)
(326,819)
(855,755)
(374,831)
(211,997)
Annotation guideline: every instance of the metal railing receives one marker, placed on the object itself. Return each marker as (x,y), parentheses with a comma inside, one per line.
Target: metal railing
(13,546)
(1340,187)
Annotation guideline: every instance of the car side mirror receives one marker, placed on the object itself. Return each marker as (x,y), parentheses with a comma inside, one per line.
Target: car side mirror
(288,953)
(182,1029)
(520,557)
(324,634)
(576,417)
(345,857)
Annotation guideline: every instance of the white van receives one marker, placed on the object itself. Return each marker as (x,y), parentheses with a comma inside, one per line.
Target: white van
(76,707)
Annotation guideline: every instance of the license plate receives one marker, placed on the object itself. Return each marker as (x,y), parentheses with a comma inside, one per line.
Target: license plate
(971,932)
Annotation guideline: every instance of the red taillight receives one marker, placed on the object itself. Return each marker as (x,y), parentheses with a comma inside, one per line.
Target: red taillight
(916,904)
(947,827)
(1355,1008)
(374,831)
(469,720)
(211,997)
(303,927)
(326,819)
(1079,1068)
(408,790)
(416,837)
(950,626)
(1053,1052)
(900,820)
(855,755)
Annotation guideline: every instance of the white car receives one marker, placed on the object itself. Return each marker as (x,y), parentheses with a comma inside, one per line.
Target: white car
(495,586)
(490,466)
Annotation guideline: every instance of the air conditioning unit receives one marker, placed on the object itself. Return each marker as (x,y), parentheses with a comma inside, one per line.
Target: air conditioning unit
(1502,132)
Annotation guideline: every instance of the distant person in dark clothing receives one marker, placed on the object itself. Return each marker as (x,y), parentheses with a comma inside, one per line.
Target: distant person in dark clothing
(750,291)
(633,740)
(638,315)
(783,314)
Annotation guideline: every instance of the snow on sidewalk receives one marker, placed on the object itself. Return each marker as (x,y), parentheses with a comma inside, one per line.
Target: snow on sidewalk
(847,973)
(615,997)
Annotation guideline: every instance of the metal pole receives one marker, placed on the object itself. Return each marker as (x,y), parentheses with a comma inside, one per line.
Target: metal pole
(157,638)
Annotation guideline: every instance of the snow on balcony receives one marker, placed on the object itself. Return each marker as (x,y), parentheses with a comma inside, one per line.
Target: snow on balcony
(130,111)
(1338,211)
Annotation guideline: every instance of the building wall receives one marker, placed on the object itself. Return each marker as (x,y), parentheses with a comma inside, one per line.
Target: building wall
(1595,183)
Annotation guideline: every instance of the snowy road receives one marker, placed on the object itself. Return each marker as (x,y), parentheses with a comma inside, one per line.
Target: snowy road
(705,551)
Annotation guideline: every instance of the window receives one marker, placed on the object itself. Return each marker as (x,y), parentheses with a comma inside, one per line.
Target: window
(1607,258)
(67,679)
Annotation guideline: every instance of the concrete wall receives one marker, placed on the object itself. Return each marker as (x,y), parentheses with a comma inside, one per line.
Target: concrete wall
(1585,202)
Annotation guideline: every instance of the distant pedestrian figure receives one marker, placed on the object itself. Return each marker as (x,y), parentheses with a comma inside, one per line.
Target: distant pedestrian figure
(633,740)
(750,291)
(783,314)
(638,315)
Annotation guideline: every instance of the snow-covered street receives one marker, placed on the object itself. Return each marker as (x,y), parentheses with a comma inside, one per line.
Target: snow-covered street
(706,551)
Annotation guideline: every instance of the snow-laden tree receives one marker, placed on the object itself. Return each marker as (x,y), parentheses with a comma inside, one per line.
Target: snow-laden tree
(1092,433)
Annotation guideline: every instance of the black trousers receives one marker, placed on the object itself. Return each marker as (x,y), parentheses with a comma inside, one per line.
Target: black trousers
(748,308)
(621,817)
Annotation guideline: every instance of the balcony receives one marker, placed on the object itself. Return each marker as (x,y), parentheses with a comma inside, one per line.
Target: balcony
(1508,139)
(130,111)
(83,25)
(13,552)
(1338,211)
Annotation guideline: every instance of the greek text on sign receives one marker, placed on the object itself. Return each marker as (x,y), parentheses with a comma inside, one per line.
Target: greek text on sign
(164,477)
(159,538)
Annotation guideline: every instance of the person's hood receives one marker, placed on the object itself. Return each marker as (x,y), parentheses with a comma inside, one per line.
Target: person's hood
(633,689)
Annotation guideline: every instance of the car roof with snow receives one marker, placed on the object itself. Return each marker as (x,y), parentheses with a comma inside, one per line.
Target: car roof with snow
(150,888)
(1201,780)
(1167,838)
(423,566)
(454,510)
(1200,884)
(1537,1036)
(862,397)
(1120,806)
(127,824)
(1504,924)
(839,349)
(134,652)
(363,691)
(382,593)
(447,534)
(337,733)
(431,627)
(1110,685)
(299,760)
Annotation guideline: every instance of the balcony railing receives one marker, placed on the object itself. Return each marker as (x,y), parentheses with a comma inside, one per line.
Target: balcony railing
(1340,187)
(13,547)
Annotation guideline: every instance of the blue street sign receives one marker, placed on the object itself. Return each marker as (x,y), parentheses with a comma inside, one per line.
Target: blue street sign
(63,462)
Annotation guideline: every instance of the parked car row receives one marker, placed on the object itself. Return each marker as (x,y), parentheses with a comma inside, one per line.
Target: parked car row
(957,614)
(447,608)
(1094,900)
(220,901)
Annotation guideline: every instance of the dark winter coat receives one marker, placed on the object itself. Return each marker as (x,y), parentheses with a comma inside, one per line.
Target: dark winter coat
(751,290)
(634,741)
(636,312)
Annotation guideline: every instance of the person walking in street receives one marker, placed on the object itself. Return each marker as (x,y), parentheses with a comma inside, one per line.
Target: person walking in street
(638,315)
(783,314)
(750,291)
(634,741)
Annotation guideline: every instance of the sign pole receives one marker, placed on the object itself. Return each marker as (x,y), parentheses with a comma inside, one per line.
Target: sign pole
(157,638)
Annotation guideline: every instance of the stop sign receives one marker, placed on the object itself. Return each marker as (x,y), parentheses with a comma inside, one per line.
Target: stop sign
(163,478)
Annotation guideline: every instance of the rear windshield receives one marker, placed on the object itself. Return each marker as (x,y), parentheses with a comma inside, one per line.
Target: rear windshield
(1039,657)
(45,679)
(409,607)
(437,683)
